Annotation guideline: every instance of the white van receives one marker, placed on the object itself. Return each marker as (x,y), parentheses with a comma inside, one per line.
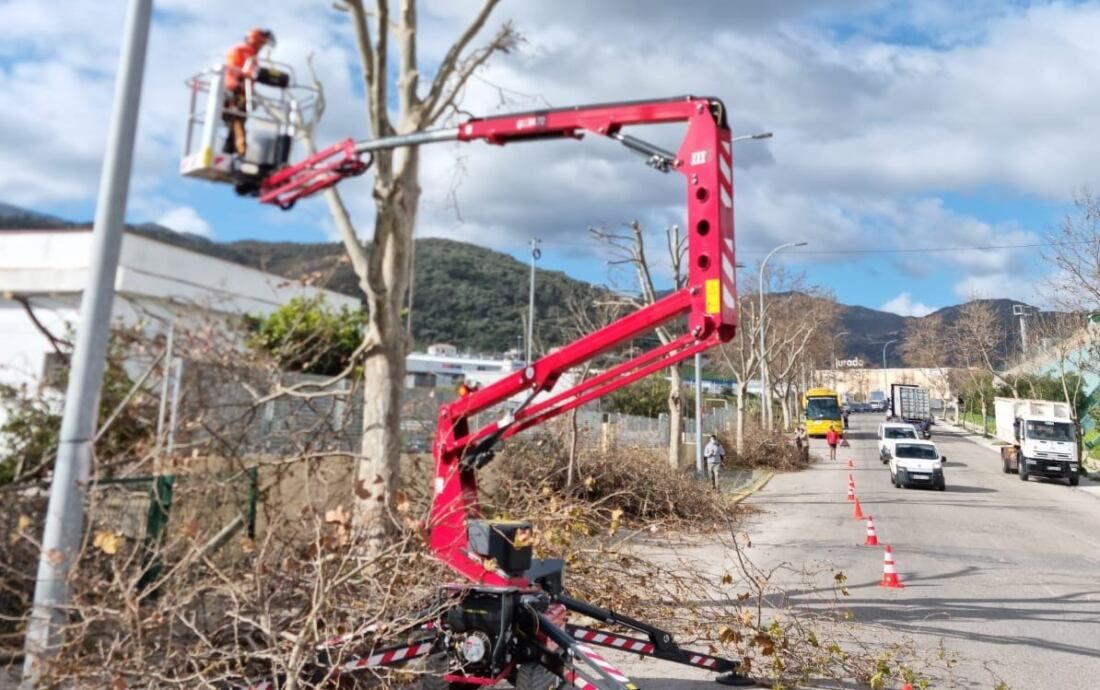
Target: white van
(890,433)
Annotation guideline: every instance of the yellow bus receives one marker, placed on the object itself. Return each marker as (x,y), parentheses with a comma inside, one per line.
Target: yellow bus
(821,410)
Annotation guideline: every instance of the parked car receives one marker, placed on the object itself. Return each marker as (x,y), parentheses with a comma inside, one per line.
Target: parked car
(917,463)
(889,433)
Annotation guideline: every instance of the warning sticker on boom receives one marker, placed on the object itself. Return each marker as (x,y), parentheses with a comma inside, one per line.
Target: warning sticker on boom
(713,287)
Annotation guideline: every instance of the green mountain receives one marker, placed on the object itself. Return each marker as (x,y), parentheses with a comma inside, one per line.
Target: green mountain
(466,295)
(476,298)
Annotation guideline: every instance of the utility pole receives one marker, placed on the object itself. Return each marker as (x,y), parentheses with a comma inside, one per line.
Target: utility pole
(1021,310)
(885,345)
(64,526)
(700,470)
(536,253)
(412,284)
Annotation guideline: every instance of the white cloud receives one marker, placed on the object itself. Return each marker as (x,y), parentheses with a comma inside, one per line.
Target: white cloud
(1004,286)
(185,219)
(903,305)
(869,131)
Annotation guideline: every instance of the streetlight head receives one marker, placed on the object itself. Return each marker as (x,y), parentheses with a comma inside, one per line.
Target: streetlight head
(801,244)
(763,135)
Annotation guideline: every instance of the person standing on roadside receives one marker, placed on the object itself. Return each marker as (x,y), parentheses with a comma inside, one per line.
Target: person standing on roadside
(802,442)
(714,454)
(832,437)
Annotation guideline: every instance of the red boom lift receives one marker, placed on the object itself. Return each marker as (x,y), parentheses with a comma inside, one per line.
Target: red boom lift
(509,621)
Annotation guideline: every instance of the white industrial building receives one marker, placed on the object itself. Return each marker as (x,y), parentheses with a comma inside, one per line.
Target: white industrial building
(444,365)
(44,272)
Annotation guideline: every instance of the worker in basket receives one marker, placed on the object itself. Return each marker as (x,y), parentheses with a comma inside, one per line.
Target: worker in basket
(241,70)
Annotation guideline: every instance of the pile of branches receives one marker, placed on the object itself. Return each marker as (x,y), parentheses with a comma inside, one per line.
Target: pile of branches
(190,613)
(635,484)
(772,450)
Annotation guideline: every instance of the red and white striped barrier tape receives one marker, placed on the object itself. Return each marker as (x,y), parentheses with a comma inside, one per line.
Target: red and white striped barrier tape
(611,640)
(389,656)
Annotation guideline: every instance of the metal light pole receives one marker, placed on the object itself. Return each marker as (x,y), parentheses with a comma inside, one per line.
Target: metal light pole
(765,394)
(835,336)
(64,526)
(744,137)
(536,253)
(1021,310)
(699,415)
(885,345)
(699,468)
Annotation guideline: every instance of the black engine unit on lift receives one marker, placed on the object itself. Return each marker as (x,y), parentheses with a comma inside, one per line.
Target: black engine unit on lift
(481,625)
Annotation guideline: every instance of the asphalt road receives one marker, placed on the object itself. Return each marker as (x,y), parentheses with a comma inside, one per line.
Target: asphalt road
(1003,573)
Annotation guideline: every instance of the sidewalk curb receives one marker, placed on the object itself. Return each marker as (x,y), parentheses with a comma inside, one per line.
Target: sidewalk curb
(753,488)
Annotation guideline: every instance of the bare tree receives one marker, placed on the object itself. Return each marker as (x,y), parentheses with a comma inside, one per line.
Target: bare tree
(926,344)
(1069,352)
(977,341)
(1075,252)
(630,250)
(384,270)
(586,319)
(796,316)
(741,357)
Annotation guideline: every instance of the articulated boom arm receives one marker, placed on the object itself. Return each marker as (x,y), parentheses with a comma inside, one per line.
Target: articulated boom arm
(705,159)
(707,300)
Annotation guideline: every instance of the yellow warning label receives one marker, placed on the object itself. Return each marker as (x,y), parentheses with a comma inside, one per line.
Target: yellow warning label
(713,288)
(207,157)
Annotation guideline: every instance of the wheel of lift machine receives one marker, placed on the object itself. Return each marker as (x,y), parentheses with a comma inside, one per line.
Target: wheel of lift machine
(536,677)
(433,668)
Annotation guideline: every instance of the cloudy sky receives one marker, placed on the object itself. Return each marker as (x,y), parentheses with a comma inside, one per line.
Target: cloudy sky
(922,148)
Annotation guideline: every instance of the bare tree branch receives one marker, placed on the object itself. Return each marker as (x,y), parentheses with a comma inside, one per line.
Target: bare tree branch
(503,42)
(409,77)
(55,342)
(449,63)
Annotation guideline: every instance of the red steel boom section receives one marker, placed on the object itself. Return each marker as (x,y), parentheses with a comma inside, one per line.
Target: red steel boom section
(707,300)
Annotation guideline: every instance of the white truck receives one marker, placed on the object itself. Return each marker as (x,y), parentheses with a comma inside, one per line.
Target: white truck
(909,403)
(1040,436)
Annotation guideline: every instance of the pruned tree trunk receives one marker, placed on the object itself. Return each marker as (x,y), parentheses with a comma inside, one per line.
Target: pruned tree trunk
(786,410)
(384,271)
(571,468)
(739,438)
(675,416)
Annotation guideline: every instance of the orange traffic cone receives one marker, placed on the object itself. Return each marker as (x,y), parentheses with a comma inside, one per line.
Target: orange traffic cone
(858,514)
(889,572)
(851,465)
(851,490)
(907,686)
(872,538)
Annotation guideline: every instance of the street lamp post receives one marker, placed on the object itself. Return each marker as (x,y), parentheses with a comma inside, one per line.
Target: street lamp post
(884,346)
(536,254)
(699,466)
(835,336)
(64,522)
(765,394)
(743,137)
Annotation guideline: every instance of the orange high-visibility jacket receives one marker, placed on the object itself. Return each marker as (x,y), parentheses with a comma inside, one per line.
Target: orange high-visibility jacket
(239,62)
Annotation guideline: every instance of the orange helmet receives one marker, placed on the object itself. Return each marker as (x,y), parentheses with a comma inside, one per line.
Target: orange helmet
(258,37)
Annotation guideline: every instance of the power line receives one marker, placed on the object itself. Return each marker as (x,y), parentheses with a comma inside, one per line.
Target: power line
(916,250)
(899,250)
